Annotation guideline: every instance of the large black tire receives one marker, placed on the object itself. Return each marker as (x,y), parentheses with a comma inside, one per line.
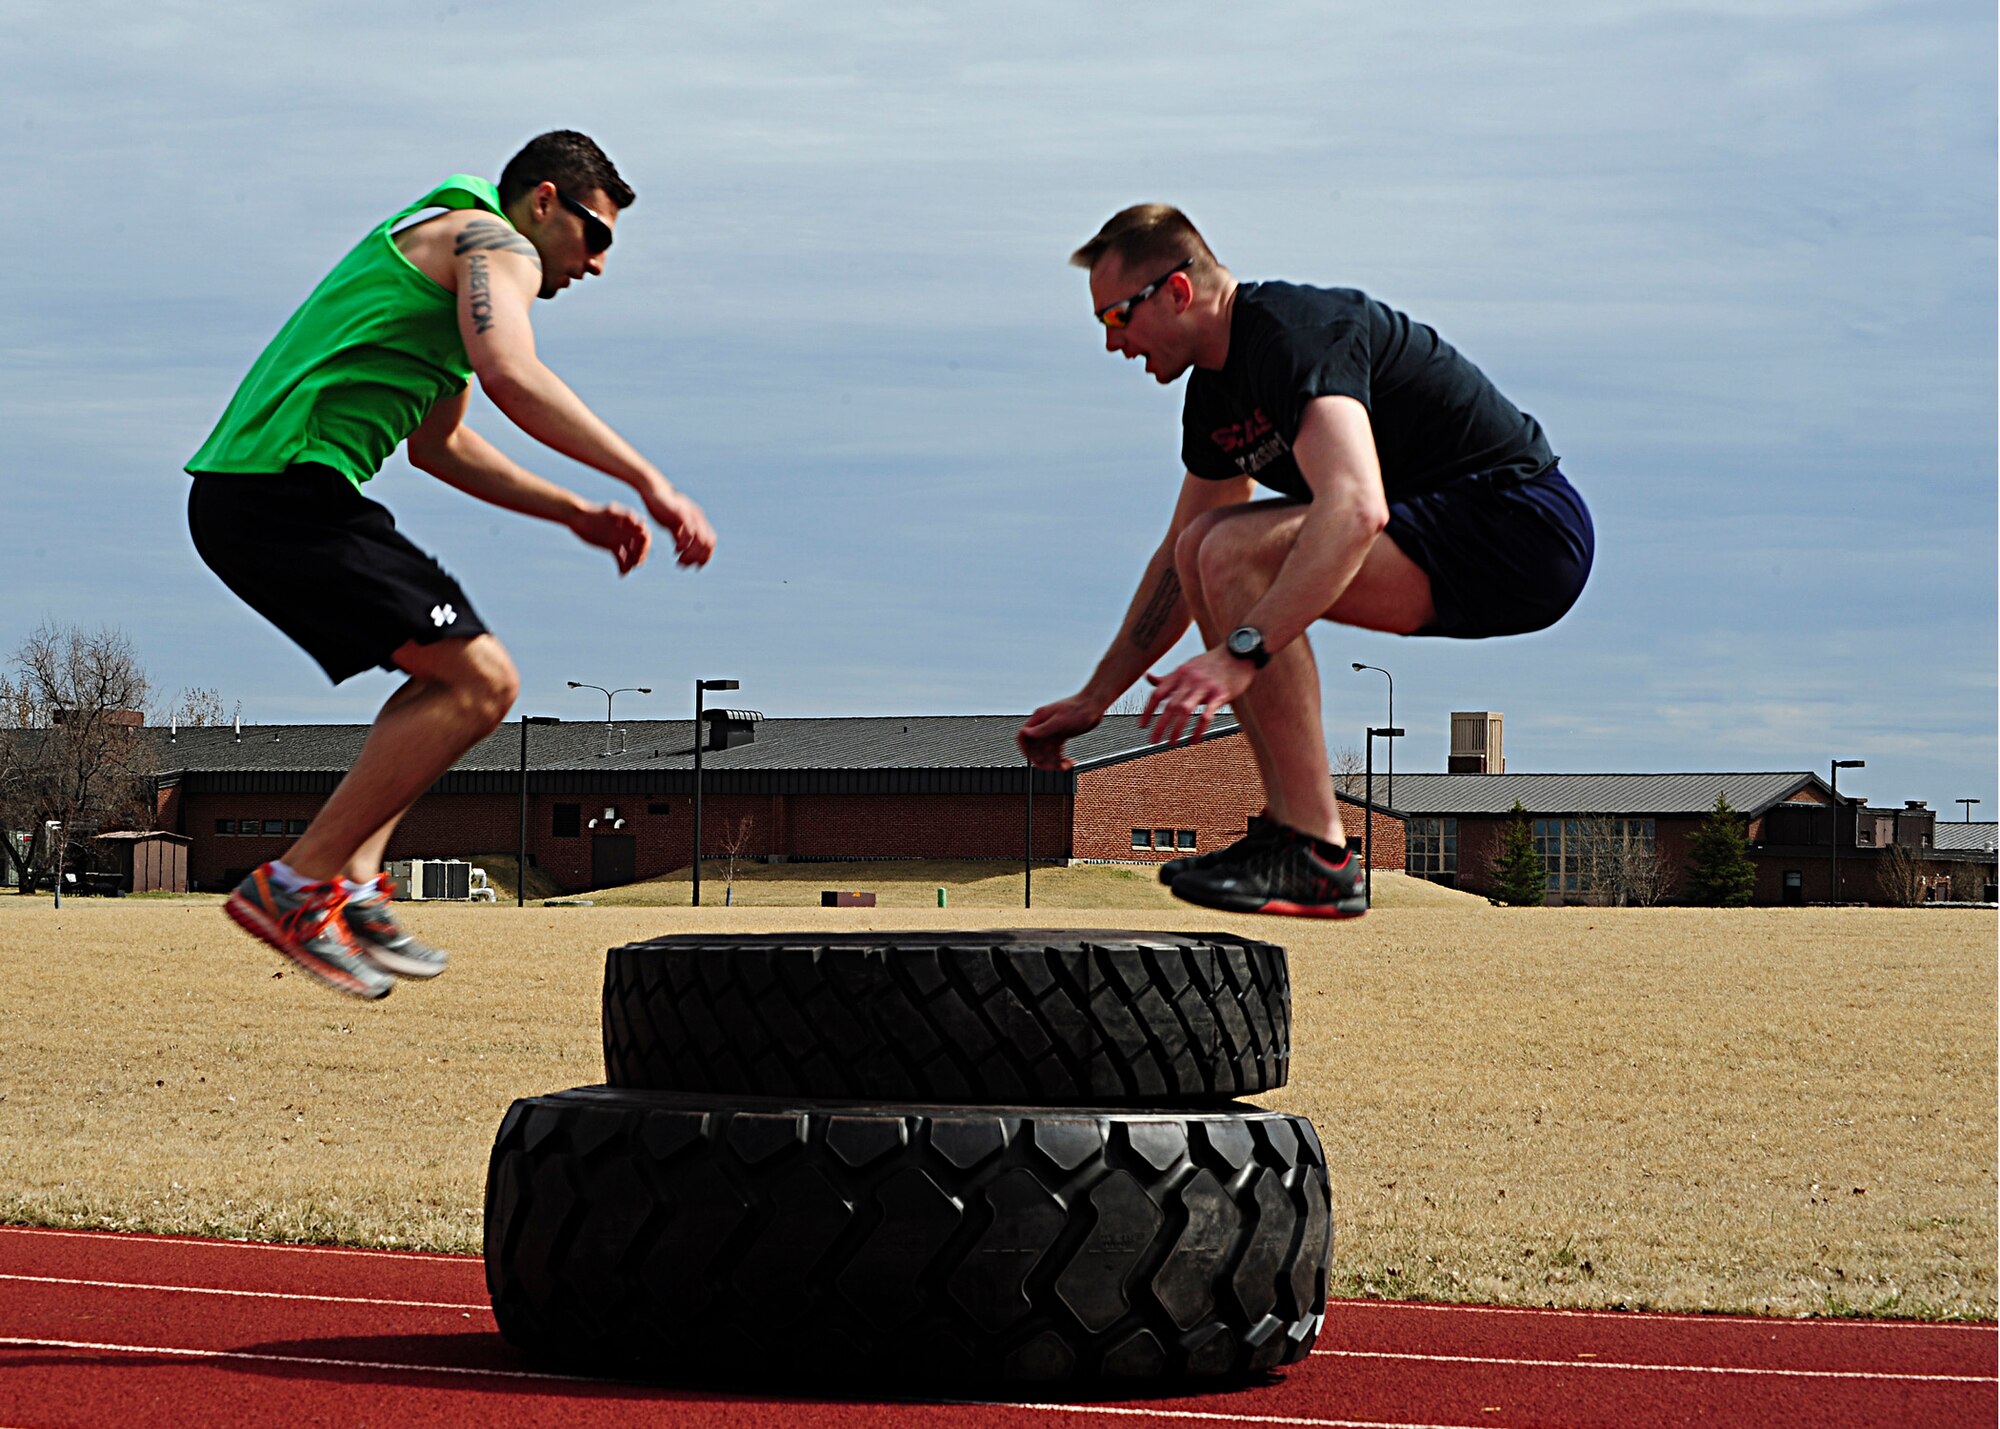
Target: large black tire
(1031,1017)
(676,1236)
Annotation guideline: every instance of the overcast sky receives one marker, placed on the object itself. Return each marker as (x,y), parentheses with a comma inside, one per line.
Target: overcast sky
(1738,258)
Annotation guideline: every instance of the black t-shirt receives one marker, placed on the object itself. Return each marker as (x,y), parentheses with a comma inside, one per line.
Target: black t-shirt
(1435,416)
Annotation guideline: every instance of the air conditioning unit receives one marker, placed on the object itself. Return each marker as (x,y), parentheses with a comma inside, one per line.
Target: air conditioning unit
(421,880)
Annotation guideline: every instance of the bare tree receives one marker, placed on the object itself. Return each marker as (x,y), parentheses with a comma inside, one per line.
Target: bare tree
(1591,847)
(735,840)
(1348,768)
(1132,702)
(196,708)
(1905,878)
(1644,878)
(1618,863)
(75,753)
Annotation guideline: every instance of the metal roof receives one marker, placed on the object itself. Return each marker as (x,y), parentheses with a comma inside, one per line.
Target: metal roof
(1434,795)
(1971,838)
(891,742)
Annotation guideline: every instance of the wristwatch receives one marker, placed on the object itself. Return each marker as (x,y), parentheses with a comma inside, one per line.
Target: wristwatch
(1246,642)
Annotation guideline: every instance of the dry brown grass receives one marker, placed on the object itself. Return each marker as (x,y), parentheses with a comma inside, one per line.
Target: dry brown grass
(967,884)
(1788,1111)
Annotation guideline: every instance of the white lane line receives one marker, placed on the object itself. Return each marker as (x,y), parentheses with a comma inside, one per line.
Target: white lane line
(201,1242)
(1665,1368)
(1181,1415)
(178,1352)
(1633,1317)
(321,1361)
(247,1294)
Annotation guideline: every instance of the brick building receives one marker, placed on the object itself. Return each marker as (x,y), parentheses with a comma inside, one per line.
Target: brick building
(607,805)
(1594,830)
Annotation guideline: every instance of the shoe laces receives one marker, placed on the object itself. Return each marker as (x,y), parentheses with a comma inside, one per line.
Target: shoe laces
(318,911)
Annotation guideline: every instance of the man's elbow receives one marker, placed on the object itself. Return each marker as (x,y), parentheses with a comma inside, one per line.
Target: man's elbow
(428,455)
(506,383)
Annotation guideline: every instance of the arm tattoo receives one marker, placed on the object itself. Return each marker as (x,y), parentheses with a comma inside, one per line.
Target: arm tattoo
(490,233)
(478,293)
(1153,619)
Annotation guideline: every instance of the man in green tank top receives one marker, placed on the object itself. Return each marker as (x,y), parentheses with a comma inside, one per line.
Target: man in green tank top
(382,353)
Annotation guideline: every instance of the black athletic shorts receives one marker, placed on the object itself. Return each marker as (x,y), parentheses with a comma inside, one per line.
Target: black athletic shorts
(323,563)
(1505,556)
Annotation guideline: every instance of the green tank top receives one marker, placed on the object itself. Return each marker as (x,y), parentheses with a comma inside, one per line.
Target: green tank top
(358,366)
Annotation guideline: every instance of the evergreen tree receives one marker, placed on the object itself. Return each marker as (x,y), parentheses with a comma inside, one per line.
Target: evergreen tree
(1519,875)
(1720,873)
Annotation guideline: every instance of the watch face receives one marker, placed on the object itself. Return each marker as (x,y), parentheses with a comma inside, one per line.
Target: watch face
(1244,640)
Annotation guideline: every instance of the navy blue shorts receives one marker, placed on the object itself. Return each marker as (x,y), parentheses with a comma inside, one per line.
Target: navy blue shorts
(1504,556)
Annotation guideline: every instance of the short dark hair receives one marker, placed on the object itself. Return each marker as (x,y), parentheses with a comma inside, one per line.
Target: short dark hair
(569,160)
(1147,235)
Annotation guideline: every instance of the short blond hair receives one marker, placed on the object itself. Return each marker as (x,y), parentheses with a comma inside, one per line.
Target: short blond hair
(1148,235)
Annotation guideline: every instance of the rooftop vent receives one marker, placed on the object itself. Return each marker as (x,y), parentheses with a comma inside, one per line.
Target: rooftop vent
(1475,743)
(729,728)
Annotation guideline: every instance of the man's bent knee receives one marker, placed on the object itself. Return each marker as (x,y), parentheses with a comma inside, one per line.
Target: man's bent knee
(478,671)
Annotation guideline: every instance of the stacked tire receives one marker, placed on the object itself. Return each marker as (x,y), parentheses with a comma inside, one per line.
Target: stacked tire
(959,1158)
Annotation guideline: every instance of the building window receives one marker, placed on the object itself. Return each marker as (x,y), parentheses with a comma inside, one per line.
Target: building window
(1593,855)
(659,808)
(1432,850)
(1795,886)
(274,828)
(1184,838)
(225,827)
(1142,838)
(567,821)
(294,827)
(1163,838)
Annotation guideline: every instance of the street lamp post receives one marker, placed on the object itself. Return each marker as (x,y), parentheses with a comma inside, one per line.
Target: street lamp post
(1028,846)
(1358,668)
(621,690)
(1390,734)
(1968,807)
(700,686)
(521,853)
(55,828)
(1838,765)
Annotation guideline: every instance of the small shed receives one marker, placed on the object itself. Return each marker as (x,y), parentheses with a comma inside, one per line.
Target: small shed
(149,861)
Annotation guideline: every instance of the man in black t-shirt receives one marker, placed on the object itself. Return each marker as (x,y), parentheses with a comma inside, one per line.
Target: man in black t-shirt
(1413,498)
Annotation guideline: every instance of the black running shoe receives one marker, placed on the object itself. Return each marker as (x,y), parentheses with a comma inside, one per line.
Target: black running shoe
(1262,827)
(1282,873)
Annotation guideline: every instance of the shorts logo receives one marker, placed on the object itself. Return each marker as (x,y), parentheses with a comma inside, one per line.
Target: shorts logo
(442,615)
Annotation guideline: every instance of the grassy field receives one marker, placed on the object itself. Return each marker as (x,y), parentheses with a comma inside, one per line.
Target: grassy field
(1785,1111)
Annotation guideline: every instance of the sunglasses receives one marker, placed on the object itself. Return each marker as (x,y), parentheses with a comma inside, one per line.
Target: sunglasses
(1119,314)
(596,232)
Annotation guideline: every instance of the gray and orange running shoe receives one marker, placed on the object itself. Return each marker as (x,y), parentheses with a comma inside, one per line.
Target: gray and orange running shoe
(1287,873)
(305,925)
(382,940)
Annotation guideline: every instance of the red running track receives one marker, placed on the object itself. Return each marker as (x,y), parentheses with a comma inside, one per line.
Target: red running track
(101,1329)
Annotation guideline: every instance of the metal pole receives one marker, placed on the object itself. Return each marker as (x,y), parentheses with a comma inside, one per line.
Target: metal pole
(1368,823)
(697,793)
(1968,807)
(1833,779)
(521,850)
(1028,851)
(55,828)
(1357,666)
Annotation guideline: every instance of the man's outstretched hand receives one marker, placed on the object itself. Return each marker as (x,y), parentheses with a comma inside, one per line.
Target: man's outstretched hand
(1196,691)
(617,529)
(694,538)
(1050,727)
